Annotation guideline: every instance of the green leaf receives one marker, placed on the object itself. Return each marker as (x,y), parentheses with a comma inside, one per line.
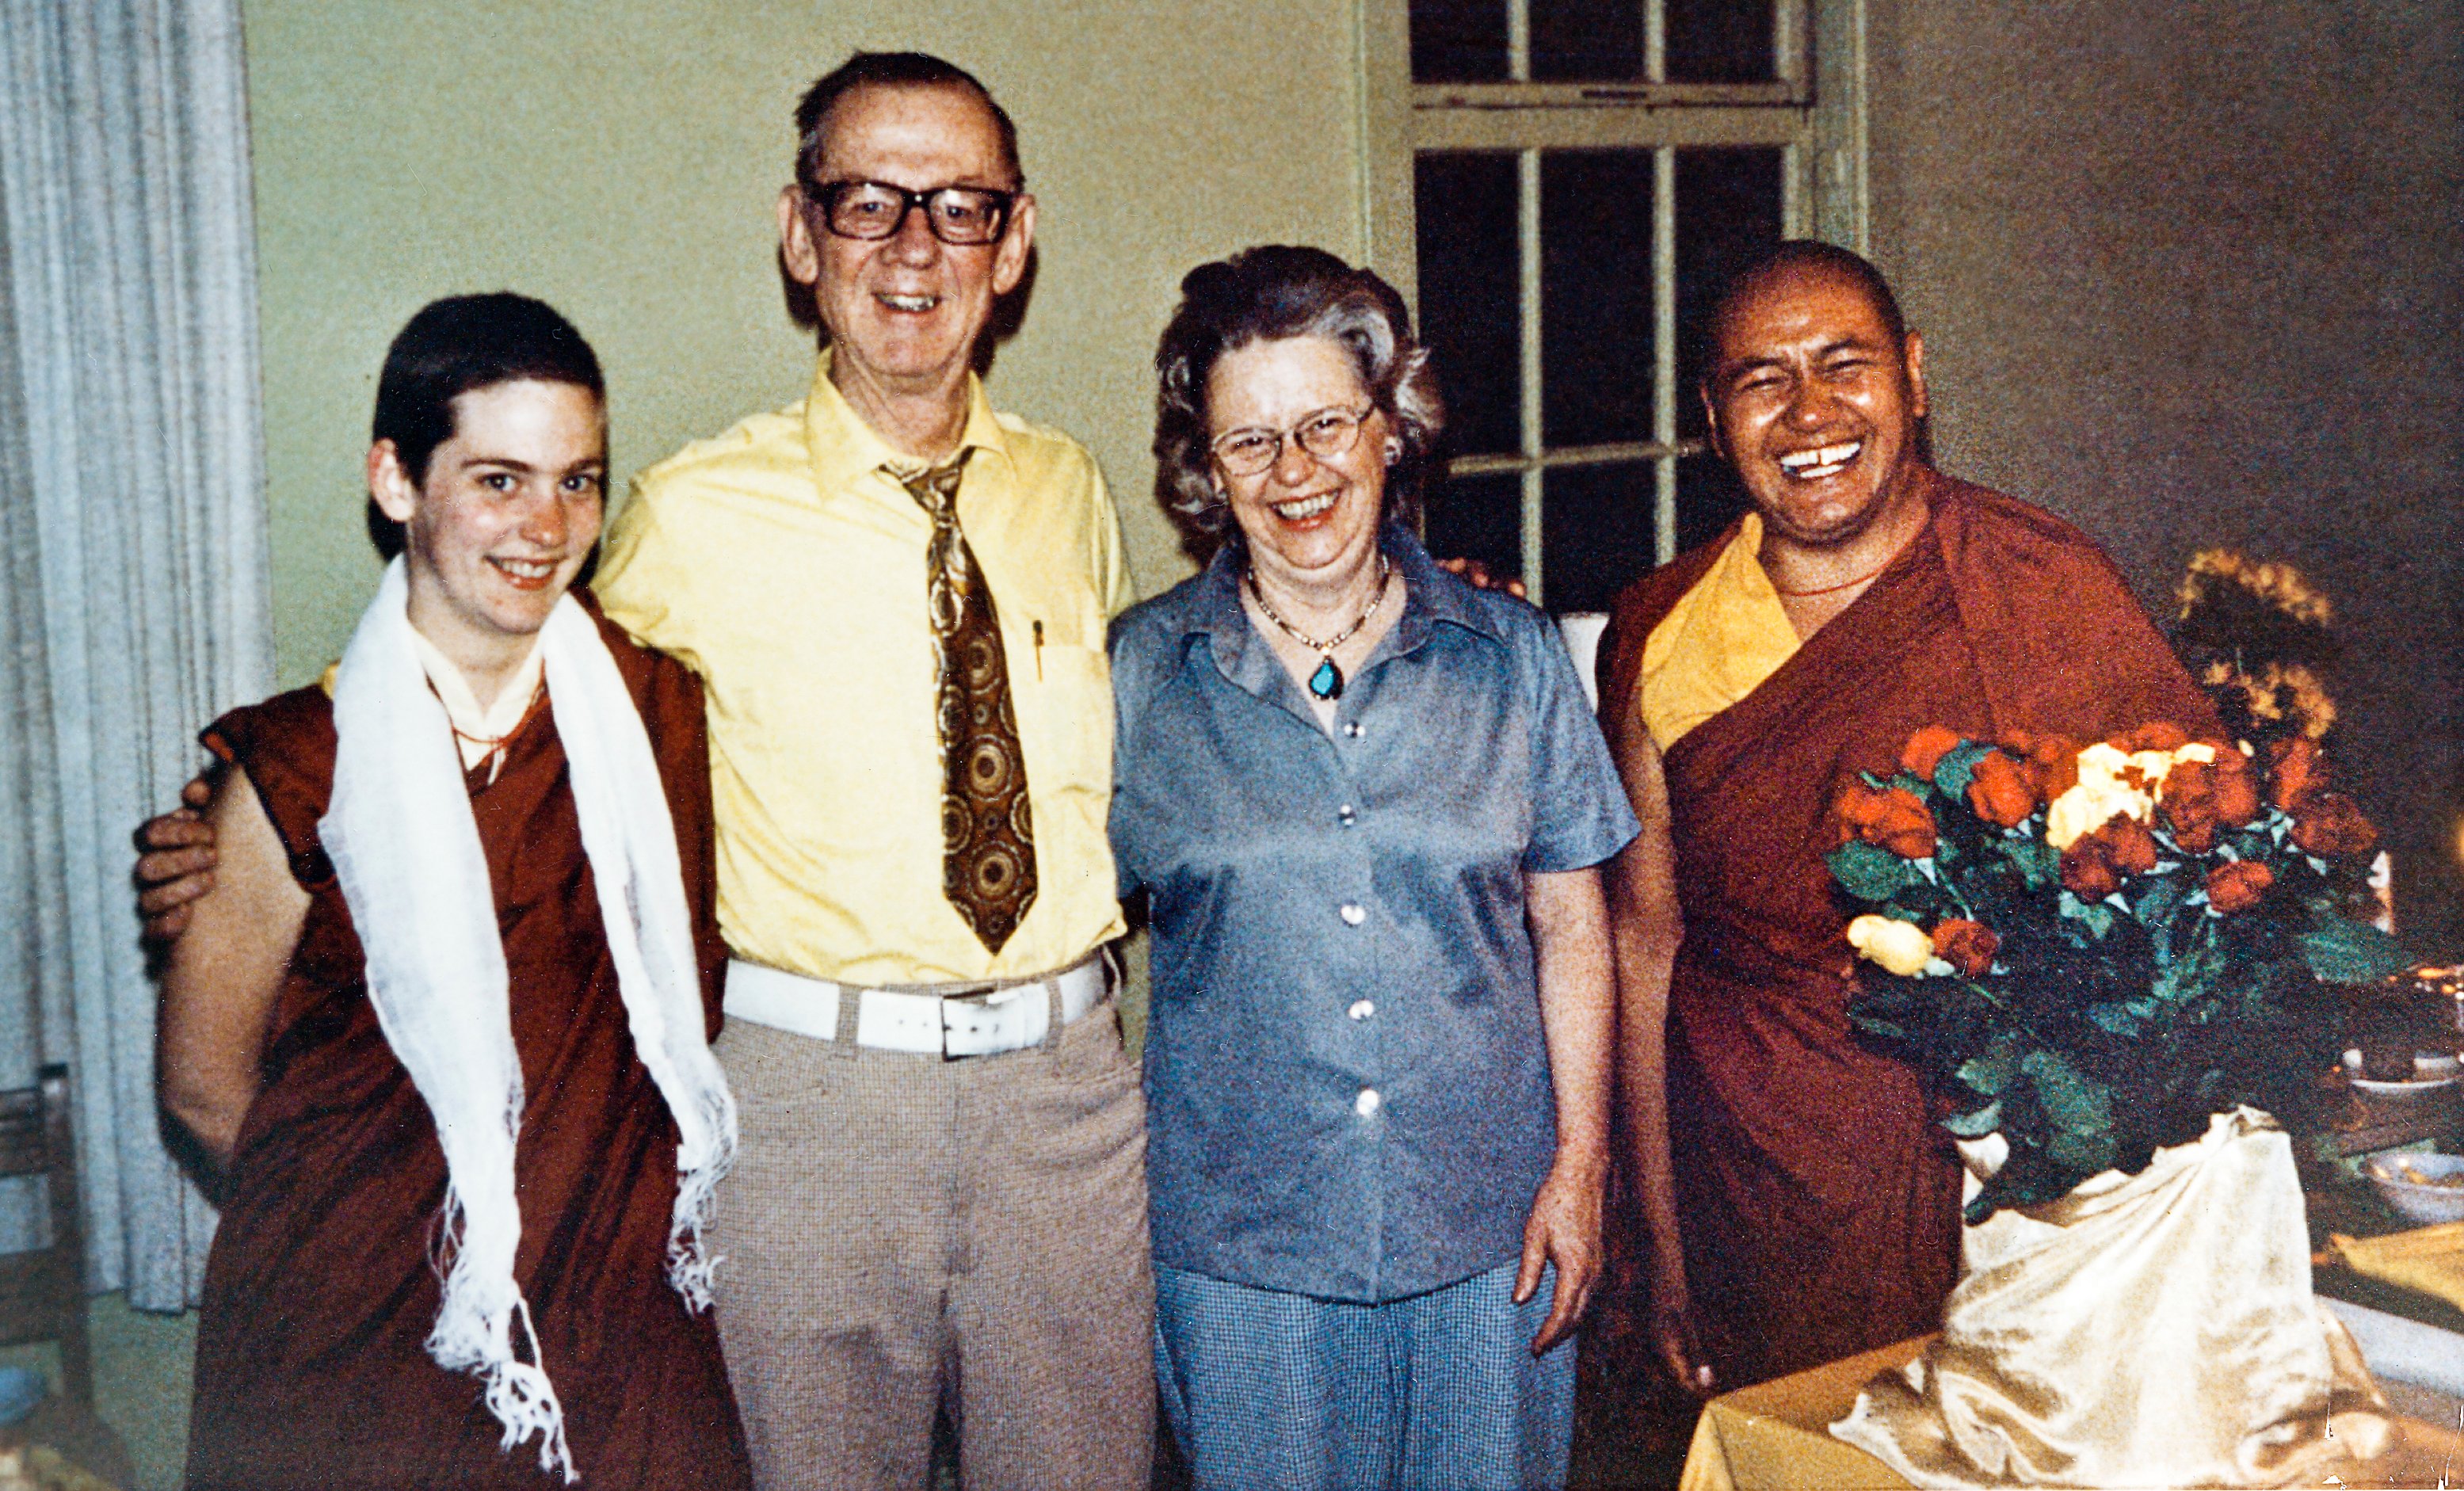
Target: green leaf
(1976,1125)
(2088,1152)
(1957,768)
(2116,1020)
(2097,917)
(2159,895)
(2344,952)
(1990,1071)
(1869,872)
(2075,1101)
(2038,863)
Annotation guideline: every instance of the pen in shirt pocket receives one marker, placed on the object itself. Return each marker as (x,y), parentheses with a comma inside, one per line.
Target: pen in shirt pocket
(1039,652)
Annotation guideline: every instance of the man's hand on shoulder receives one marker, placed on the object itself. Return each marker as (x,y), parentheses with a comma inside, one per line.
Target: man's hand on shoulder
(175,864)
(1477,575)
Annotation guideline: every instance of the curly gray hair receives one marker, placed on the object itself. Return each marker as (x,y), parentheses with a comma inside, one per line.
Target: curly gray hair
(1266,294)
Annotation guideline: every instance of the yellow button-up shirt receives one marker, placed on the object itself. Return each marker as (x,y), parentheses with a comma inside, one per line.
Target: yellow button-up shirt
(784,567)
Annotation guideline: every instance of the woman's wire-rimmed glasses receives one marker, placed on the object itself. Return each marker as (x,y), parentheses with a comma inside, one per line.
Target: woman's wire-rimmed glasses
(963,216)
(1325,435)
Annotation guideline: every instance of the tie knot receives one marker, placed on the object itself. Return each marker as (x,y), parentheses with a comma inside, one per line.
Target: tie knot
(934,488)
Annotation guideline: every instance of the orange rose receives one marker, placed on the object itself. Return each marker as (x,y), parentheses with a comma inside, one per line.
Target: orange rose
(2053,760)
(2189,805)
(1892,817)
(2002,791)
(2095,863)
(2236,787)
(2331,824)
(1966,946)
(1904,828)
(2236,885)
(1926,750)
(2087,872)
(2298,771)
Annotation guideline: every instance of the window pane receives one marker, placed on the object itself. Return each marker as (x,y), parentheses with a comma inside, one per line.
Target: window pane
(1720,42)
(1478,518)
(1710,497)
(1595,296)
(1586,41)
(1597,527)
(1458,41)
(1728,214)
(1470,309)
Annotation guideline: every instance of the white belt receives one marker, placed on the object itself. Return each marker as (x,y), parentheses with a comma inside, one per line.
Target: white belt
(970,1020)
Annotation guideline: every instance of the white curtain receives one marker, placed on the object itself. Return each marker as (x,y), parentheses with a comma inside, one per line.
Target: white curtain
(133,603)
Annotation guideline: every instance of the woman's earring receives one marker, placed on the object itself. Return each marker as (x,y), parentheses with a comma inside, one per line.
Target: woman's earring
(1393,451)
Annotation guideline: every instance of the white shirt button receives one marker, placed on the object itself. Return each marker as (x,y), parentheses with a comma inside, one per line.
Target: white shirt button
(1353,729)
(1365,1105)
(1354,914)
(1362,1009)
(1347,814)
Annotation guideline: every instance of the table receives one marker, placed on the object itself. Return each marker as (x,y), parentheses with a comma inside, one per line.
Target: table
(1774,1436)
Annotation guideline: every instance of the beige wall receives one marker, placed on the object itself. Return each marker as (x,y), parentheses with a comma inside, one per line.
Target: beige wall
(2188,275)
(620,159)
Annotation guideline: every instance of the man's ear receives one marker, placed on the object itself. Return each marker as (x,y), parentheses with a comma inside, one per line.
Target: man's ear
(396,495)
(796,248)
(1712,421)
(1916,375)
(1009,266)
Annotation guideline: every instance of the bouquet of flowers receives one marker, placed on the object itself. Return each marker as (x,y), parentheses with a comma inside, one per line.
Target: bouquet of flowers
(2090,951)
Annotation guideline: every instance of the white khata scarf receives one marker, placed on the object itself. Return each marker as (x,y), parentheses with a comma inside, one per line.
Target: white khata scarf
(406,850)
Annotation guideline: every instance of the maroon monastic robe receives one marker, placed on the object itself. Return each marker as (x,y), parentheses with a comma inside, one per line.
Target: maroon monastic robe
(319,1290)
(1819,1202)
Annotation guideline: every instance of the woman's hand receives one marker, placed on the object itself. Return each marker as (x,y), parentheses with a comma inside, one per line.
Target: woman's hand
(1564,1230)
(1569,946)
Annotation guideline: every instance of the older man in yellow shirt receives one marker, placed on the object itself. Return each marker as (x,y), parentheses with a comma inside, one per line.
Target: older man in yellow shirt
(896,601)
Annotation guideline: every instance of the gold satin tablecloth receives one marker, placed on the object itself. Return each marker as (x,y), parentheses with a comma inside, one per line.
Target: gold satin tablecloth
(1775,1436)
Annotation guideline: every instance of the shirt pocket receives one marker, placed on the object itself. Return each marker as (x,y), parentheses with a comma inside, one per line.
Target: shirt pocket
(1064,696)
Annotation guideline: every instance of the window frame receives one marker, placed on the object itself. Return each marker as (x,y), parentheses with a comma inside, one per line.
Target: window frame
(1815,113)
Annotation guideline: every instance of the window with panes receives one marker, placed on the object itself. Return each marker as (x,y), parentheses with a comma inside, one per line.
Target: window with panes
(1583,177)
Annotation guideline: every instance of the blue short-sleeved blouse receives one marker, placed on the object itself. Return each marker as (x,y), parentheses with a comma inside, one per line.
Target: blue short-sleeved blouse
(1347,1084)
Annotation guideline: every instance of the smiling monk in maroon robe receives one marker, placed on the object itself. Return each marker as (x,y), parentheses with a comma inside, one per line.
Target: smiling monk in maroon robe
(1800,1202)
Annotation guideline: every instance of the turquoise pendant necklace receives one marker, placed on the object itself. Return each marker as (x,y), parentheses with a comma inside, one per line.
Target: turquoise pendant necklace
(1327,683)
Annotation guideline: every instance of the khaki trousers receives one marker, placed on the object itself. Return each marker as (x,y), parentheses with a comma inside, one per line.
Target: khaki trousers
(901,1232)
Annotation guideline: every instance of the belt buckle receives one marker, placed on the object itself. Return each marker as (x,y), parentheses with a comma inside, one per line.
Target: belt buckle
(979,998)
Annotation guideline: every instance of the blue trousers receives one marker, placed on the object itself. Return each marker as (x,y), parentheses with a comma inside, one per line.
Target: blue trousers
(1274,1391)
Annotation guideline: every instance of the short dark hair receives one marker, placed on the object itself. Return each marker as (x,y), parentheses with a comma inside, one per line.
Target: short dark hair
(464,342)
(1263,295)
(1800,253)
(891,70)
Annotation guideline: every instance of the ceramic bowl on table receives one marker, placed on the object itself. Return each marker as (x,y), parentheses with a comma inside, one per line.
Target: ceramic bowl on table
(2431,1072)
(2428,1188)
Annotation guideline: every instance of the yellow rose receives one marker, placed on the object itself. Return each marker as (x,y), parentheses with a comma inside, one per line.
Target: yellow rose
(1898,946)
(2090,805)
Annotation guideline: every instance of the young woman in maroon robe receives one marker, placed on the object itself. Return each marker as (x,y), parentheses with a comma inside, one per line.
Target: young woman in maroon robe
(323,1288)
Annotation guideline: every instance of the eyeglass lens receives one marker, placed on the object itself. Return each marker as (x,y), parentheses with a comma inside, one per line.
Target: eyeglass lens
(875,210)
(1326,434)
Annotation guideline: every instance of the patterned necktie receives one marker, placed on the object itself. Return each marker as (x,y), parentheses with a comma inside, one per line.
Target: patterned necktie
(988,836)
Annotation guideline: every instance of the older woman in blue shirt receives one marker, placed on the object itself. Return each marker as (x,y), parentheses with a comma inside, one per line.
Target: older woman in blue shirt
(1368,805)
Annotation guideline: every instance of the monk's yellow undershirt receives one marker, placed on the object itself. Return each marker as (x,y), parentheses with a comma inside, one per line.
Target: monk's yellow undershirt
(1718,643)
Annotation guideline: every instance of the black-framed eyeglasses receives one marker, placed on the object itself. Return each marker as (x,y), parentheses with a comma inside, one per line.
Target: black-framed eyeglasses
(961,215)
(1325,435)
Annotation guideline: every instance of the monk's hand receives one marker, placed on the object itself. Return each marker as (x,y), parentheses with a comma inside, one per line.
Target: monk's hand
(1480,578)
(1671,1323)
(175,864)
(1564,1230)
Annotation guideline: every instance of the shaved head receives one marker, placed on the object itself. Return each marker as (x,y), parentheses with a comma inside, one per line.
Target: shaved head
(1800,256)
